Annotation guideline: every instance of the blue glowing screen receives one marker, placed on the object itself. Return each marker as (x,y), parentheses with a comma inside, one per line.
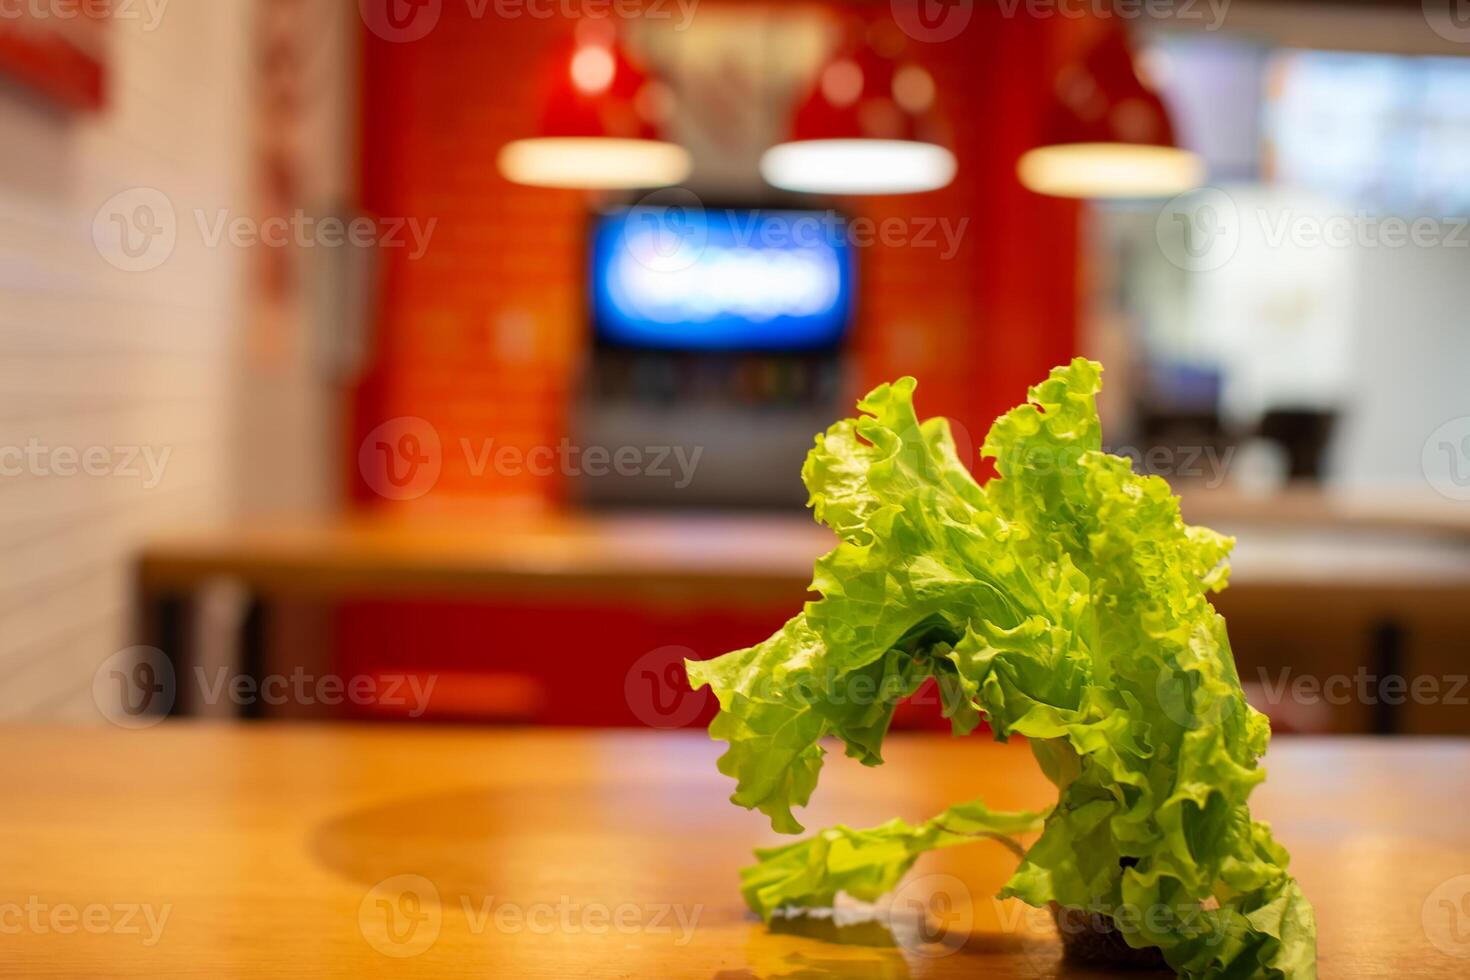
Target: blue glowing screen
(686,278)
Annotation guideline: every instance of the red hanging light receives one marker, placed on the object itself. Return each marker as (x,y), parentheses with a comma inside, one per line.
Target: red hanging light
(601,122)
(1108,134)
(869,125)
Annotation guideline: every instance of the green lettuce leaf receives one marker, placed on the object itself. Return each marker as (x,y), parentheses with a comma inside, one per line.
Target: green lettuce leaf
(1065,601)
(866,864)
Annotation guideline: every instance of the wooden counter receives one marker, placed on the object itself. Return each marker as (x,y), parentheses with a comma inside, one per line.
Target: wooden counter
(188,850)
(1296,536)
(1321,585)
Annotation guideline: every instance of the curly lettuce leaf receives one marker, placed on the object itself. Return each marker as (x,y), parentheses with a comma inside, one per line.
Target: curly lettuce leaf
(1065,601)
(866,864)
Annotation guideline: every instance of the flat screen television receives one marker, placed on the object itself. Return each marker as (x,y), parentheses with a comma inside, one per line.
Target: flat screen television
(721,279)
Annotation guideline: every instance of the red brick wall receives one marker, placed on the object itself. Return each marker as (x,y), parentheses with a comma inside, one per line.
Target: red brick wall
(481,336)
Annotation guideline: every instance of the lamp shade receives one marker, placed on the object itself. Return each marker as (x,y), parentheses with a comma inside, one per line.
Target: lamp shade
(599,127)
(868,126)
(1108,134)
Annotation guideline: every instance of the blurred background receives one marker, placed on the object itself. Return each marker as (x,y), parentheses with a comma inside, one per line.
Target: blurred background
(423,361)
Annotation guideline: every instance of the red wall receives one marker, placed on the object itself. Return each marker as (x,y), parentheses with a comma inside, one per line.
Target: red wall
(481,336)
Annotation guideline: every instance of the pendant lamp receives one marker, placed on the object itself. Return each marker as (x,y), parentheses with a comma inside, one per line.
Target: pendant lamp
(868,125)
(1108,134)
(600,124)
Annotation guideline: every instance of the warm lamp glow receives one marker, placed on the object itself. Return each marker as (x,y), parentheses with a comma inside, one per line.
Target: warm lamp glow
(602,121)
(1108,133)
(593,69)
(869,124)
(913,89)
(842,82)
(594,162)
(1110,170)
(858,166)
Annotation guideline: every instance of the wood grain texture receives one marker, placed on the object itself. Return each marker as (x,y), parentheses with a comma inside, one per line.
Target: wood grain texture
(571,854)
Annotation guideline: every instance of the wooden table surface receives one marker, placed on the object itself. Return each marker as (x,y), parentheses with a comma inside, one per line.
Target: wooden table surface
(187,850)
